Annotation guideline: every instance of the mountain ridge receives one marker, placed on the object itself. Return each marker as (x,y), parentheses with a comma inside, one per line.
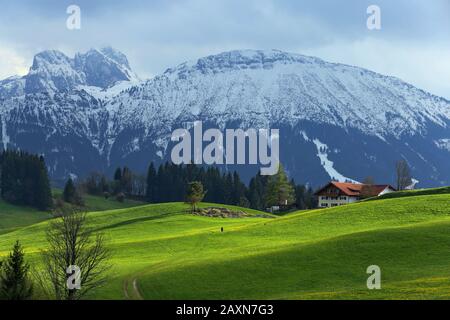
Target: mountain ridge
(117,119)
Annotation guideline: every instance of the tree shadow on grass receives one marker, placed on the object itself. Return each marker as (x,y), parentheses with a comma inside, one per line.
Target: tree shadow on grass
(137,220)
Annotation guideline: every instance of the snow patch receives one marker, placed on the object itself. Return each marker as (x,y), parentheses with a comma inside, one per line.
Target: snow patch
(108,93)
(5,137)
(413,184)
(328,165)
(73,176)
(443,144)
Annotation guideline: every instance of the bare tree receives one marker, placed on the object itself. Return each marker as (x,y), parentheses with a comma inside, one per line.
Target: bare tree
(139,182)
(403,175)
(368,189)
(71,244)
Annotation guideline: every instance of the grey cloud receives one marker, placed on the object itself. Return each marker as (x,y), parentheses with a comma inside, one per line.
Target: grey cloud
(162,33)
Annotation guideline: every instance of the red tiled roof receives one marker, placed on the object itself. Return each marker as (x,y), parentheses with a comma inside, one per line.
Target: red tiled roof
(350,189)
(354,189)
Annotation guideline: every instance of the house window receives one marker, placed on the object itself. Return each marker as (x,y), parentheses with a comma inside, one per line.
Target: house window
(343,198)
(334,204)
(324,204)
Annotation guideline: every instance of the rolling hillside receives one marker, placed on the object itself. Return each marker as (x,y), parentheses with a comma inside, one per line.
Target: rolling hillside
(160,252)
(14,217)
(413,193)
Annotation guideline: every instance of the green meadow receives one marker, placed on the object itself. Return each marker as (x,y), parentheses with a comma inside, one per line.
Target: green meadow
(160,251)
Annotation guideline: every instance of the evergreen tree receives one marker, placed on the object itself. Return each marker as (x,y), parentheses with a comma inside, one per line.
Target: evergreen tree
(14,280)
(117,183)
(43,191)
(126,180)
(104,186)
(300,196)
(24,179)
(238,189)
(243,202)
(161,195)
(256,192)
(118,174)
(69,193)
(228,188)
(311,200)
(280,191)
(150,194)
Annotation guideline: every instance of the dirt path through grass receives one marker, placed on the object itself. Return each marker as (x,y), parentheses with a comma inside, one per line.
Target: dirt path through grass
(133,294)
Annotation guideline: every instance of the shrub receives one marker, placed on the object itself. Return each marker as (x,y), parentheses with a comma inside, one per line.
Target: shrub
(120,197)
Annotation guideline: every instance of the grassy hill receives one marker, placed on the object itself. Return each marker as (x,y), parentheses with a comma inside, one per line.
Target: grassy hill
(95,203)
(161,252)
(13,217)
(413,193)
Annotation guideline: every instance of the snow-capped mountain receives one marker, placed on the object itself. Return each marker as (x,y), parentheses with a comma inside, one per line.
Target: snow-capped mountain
(52,72)
(336,121)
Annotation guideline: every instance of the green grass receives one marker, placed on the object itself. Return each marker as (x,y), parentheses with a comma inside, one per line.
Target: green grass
(13,217)
(318,254)
(98,203)
(413,193)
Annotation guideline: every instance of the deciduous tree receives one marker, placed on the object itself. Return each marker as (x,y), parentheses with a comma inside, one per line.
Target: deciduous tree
(403,174)
(195,194)
(72,243)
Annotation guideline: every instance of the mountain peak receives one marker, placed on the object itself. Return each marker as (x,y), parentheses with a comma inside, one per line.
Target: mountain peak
(105,67)
(51,71)
(241,60)
(54,71)
(115,55)
(377,118)
(50,56)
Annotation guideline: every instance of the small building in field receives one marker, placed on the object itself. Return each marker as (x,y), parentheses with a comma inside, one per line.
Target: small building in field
(339,193)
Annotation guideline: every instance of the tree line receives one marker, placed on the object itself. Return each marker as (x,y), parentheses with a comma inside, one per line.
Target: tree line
(169,183)
(24,179)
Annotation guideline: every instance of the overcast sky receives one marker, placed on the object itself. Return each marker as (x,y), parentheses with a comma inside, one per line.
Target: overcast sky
(413,43)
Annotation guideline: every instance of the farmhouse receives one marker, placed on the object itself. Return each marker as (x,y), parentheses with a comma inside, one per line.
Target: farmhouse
(339,193)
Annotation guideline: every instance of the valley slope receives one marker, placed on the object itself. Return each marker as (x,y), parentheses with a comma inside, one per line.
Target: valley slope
(160,252)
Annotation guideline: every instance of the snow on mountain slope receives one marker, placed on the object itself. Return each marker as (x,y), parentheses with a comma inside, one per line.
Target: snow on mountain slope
(443,144)
(277,86)
(95,105)
(103,68)
(52,71)
(12,86)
